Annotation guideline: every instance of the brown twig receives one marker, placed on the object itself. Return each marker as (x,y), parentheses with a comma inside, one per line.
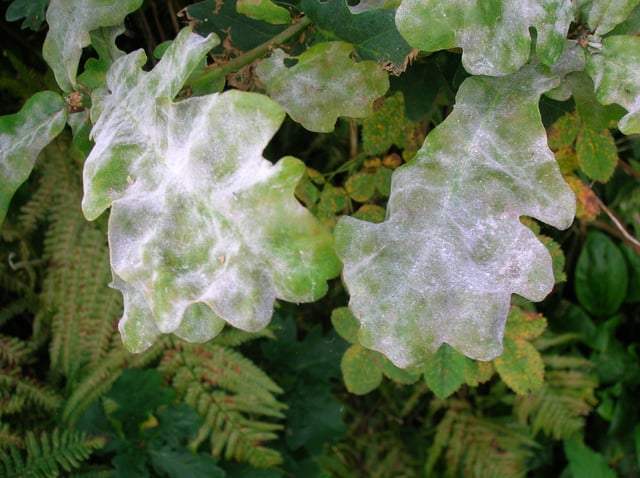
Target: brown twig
(148,37)
(158,23)
(173,15)
(617,229)
(628,169)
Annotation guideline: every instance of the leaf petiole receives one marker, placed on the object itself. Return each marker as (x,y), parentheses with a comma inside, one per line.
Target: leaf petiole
(218,72)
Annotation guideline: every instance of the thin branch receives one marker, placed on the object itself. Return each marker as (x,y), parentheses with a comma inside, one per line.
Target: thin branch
(174,16)
(628,169)
(250,56)
(158,23)
(617,229)
(148,37)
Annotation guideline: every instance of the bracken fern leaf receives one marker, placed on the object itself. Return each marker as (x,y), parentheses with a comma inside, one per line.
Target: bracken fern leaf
(48,455)
(559,408)
(235,398)
(479,447)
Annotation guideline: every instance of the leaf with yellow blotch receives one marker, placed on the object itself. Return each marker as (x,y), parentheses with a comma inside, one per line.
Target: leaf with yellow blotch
(520,366)
(596,152)
(360,371)
(588,205)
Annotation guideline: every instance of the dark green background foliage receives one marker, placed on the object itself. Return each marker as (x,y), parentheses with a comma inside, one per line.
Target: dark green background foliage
(303,398)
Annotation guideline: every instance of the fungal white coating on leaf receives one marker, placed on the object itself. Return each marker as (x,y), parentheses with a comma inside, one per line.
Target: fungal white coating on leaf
(494,36)
(603,15)
(22,136)
(324,83)
(615,71)
(70,23)
(452,251)
(203,230)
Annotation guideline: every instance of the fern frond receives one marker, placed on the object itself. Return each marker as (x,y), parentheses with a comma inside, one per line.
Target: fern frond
(100,377)
(231,394)
(97,473)
(15,308)
(13,384)
(36,209)
(14,282)
(14,351)
(49,455)
(559,408)
(29,79)
(479,447)
(8,437)
(232,337)
(76,301)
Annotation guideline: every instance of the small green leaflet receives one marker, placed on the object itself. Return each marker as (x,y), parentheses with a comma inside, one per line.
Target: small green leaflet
(70,22)
(264,10)
(323,84)
(22,136)
(203,230)
(494,35)
(31,10)
(452,251)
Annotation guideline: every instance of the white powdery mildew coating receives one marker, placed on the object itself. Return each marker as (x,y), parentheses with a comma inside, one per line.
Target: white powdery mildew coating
(324,84)
(22,136)
(202,230)
(604,15)
(69,25)
(443,266)
(27,132)
(494,36)
(124,117)
(183,242)
(615,71)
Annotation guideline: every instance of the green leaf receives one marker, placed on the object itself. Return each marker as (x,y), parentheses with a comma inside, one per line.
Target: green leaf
(360,371)
(520,366)
(603,15)
(615,71)
(597,153)
(70,22)
(31,10)
(584,462)
(22,136)
(563,132)
(203,230)
(557,256)
(345,324)
(360,186)
(239,32)
(370,213)
(601,275)
(324,83)
(494,36)
(373,32)
(307,192)
(443,266)
(264,10)
(383,181)
(633,262)
(444,372)
(524,325)
(333,199)
(137,393)
(389,126)
(400,375)
(478,372)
